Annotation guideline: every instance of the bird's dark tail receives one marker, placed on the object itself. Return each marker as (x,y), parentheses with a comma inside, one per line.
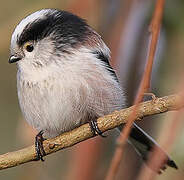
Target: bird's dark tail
(143,144)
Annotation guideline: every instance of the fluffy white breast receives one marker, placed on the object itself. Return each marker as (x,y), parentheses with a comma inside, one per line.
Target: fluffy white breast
(70,89)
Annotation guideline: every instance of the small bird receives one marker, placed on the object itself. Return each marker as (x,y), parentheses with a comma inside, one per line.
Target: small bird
(64,78)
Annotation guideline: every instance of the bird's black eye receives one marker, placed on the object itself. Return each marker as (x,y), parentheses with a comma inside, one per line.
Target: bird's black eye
(29,47)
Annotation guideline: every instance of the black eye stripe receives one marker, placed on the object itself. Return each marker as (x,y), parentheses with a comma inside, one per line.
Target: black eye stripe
(63,26)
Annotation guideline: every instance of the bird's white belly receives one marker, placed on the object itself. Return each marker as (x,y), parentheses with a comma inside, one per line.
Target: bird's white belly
(50,108)
(56,103)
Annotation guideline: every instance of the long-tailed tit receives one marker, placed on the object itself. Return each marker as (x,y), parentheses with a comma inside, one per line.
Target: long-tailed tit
(64,78)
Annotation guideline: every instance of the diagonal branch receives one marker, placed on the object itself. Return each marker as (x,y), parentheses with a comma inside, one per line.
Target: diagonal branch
(157,106)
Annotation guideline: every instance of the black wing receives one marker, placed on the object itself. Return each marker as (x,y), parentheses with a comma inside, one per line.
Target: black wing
(104,58)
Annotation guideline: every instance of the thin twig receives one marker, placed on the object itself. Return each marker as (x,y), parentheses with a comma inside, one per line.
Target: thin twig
(160,105)
(144,87)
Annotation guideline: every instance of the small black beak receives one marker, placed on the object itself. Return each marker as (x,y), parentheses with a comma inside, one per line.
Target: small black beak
(14,58)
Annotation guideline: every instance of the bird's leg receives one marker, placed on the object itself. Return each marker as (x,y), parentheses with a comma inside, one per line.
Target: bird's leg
(94,128)
(39,146)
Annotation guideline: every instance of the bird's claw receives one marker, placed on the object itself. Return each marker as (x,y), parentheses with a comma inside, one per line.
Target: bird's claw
(40,152)
(95,129)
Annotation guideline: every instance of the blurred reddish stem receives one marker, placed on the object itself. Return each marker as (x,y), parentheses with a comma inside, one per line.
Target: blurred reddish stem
(144,87)
(84,160)
(80,7)
(154,30)
(117,30)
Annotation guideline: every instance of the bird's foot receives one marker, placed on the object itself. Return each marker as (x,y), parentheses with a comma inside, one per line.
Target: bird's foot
(95,129)
(40,152)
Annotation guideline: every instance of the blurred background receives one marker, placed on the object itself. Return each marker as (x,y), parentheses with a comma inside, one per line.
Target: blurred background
(123,24)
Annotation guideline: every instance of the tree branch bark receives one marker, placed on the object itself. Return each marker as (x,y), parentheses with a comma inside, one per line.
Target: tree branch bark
(160,105)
